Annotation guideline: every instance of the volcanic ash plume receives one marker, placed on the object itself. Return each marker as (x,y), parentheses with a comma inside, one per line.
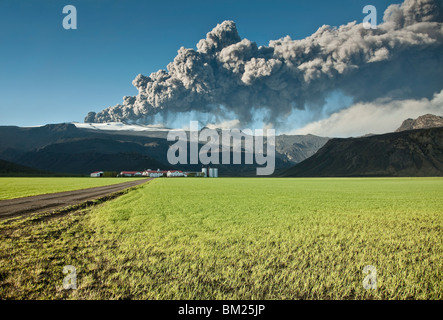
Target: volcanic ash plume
(400,59)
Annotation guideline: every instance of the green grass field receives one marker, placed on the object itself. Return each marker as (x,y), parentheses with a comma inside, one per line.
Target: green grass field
(11,188)
(245,238)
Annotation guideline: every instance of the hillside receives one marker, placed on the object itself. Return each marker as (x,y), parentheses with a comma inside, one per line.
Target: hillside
(407,153)
(299,147)
(12,169)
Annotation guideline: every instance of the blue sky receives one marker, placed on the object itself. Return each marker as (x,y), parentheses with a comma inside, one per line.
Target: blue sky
(52,75)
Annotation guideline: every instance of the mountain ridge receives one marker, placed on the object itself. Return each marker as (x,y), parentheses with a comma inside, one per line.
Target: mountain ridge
(53,148)
(399,154)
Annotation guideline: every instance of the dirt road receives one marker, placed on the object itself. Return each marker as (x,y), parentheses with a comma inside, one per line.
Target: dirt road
(48,202)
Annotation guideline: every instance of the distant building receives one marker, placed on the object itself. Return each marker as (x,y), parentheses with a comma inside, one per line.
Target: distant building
(162,173)
(97,174)
(176,173)
(154,173)
(130,174)
(210,172)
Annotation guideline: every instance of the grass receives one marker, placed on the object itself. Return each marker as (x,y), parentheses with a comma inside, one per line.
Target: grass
(237,239)
(11,188)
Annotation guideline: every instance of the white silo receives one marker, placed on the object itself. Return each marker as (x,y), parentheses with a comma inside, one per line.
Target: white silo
(211,172)
(215,172)
(205,172)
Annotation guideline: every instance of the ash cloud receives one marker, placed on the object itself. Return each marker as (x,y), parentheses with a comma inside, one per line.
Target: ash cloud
(402,59)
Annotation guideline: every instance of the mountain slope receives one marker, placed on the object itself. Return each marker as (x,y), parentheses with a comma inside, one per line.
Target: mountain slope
(408,153)
(298,148)
(10,169)
(28,138)
(86,155)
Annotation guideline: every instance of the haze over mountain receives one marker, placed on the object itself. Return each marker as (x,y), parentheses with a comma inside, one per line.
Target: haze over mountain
(378,117)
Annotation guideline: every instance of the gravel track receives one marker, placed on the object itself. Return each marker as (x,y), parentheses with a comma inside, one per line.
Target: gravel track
(52,201)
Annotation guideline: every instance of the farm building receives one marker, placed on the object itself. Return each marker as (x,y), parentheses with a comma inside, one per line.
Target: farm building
(154,173)
(176,173)
(210,172)
(97,174)
(130,174)
(163,173)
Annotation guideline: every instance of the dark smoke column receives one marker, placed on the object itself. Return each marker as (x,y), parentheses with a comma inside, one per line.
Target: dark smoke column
(90,118)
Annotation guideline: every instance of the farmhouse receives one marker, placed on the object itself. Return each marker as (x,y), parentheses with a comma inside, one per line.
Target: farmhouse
(130,174)
(153,173)
(176,173)
(164,173)
(97,174)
